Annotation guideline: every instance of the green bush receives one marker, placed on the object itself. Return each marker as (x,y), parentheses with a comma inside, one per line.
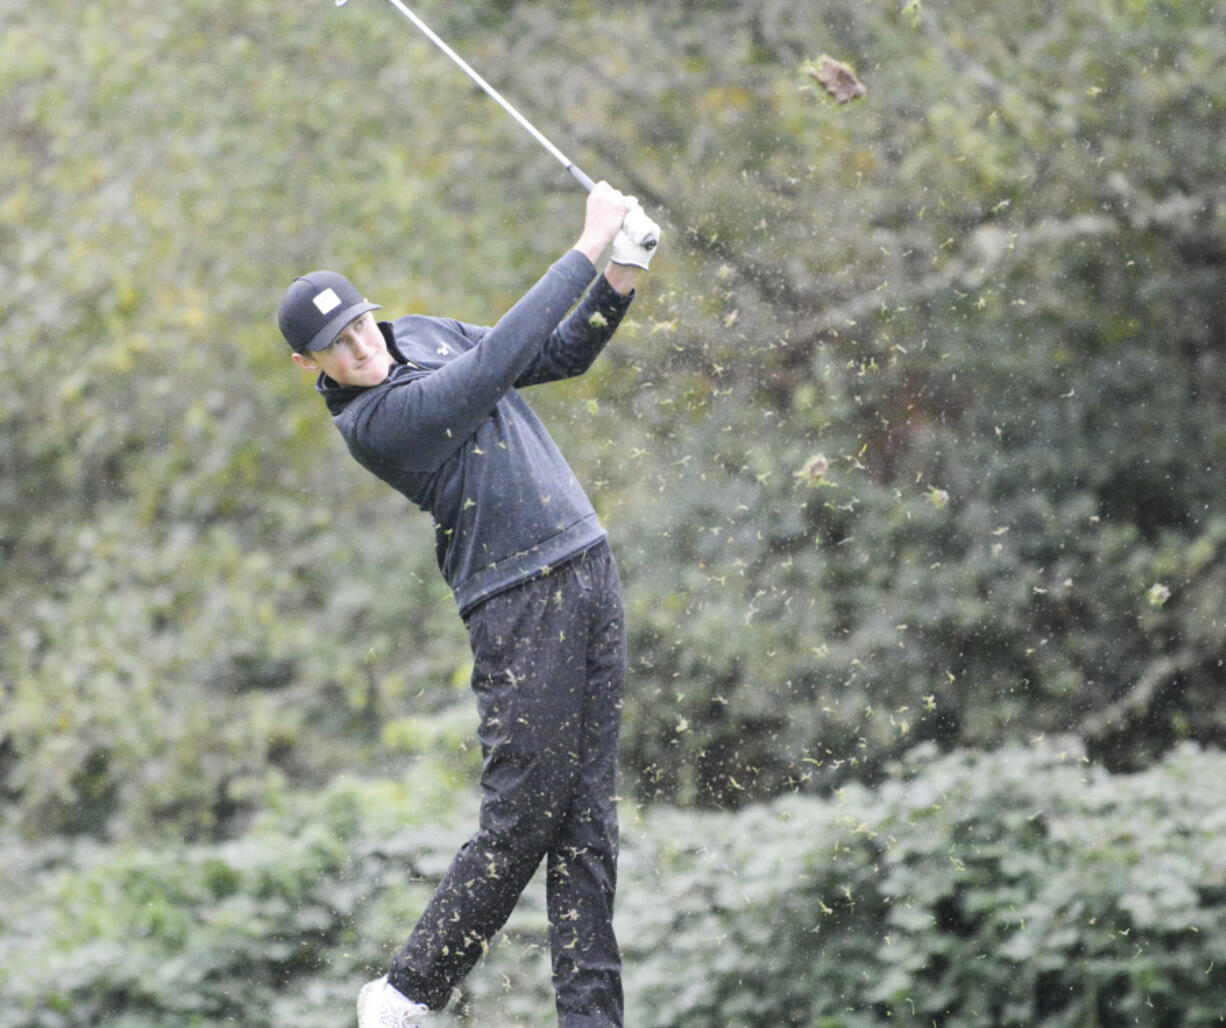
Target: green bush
(1017,888)
(278,926)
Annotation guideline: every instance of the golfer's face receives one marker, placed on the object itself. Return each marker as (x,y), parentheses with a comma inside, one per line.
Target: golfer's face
(358,356)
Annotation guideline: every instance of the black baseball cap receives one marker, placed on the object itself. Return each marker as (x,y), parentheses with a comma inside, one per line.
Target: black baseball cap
(317,307)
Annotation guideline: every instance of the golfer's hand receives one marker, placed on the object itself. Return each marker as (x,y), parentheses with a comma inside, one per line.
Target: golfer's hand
(606,210)
(637,240)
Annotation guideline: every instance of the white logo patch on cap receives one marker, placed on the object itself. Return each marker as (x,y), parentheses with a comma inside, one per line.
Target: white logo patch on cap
(327,301)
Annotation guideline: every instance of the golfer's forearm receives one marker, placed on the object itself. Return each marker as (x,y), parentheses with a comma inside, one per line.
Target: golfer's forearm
(476,380)
(591,247)
(622,277)
(578,341)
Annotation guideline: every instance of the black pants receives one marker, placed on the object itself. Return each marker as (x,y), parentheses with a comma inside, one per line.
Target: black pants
(549,667)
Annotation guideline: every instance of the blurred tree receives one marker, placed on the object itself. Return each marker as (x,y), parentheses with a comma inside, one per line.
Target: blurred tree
(988,296)
(995,311)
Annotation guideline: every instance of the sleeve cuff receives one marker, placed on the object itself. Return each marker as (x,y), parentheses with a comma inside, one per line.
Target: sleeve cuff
(608,298)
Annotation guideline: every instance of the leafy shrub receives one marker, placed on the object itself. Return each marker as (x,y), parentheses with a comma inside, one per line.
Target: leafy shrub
(1015,888)
(277,926)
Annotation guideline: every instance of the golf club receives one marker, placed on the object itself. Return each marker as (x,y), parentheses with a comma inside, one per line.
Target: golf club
(575,173)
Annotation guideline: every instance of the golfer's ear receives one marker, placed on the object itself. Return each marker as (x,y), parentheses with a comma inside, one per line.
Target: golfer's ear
(303,361)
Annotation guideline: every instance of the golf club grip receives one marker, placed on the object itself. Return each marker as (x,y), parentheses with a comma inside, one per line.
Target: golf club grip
(578,175)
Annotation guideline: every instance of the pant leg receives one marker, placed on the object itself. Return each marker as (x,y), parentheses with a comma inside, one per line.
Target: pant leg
(582,863)
(528,668)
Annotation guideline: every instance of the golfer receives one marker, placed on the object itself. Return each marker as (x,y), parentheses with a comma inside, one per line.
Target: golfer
(433,407)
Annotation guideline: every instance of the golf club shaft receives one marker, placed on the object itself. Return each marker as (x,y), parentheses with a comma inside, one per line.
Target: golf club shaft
(575,172)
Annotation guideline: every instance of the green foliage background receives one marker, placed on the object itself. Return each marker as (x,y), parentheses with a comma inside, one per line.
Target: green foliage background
(1015,888)
(986,300)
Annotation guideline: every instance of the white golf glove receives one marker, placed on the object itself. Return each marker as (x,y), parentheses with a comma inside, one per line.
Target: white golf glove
(637,240)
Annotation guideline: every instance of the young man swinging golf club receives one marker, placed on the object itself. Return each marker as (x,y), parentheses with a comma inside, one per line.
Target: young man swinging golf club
(432,406)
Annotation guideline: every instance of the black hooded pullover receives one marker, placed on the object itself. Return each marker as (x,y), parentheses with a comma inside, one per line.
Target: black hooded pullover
(449,429)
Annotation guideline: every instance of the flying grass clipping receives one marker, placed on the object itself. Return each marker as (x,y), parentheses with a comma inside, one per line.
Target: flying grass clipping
(834,77)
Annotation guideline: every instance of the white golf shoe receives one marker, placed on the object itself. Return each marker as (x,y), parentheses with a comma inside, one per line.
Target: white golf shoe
(381,1005)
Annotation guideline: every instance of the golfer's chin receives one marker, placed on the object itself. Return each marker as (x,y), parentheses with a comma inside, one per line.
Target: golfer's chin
(368,373)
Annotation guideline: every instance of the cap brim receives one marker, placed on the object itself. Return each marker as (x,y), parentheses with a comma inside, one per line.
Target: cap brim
(333,328)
